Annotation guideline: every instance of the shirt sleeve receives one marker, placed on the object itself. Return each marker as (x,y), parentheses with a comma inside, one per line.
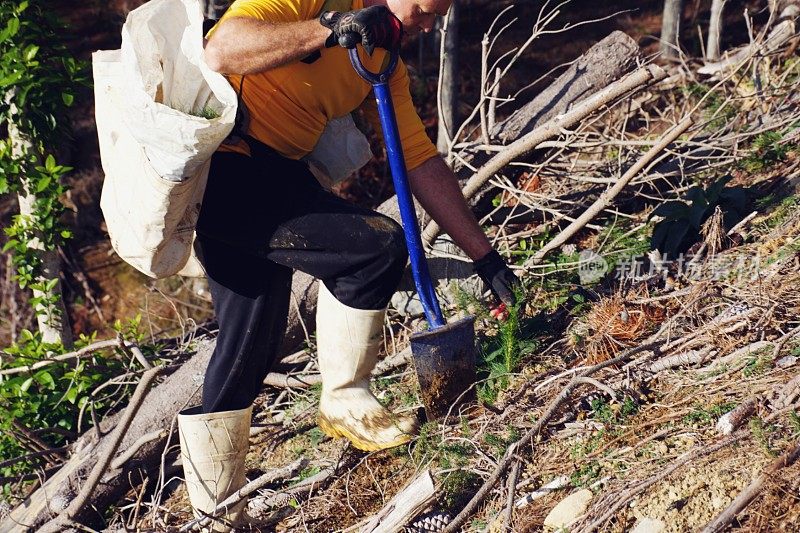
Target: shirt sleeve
(417,146)
(274,10)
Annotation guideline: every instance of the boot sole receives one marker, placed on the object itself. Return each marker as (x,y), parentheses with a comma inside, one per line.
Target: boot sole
(363,445)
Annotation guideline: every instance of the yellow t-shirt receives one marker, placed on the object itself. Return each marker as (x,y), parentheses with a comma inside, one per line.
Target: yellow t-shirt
(290,105)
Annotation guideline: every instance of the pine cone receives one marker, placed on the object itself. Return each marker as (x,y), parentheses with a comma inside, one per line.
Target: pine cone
(429,523)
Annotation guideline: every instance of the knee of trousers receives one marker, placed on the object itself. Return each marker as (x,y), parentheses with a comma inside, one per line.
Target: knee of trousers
(392,241)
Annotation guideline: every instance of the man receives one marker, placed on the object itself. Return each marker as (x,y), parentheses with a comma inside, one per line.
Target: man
(264,215)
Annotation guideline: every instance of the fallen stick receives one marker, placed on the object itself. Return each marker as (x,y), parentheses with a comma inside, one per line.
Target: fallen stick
(303,381)
(556,484)
(283,497)
(550,129)
(730,421)
(247,490)
(406,504)
(609,194)
(286,381)
(537,428)
(68,514)
(512,491)
(692,357)
(751,491)
(77,354)
(136,446)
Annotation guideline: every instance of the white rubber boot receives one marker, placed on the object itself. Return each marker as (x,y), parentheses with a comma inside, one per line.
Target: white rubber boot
(213,449)
(348,341)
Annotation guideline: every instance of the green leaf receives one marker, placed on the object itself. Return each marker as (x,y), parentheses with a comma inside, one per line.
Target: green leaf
(67,98)
(26,385)
(3,185)
(30,52)
(50,163)
(72,395)
(43,183)
(46,379)
(12,26)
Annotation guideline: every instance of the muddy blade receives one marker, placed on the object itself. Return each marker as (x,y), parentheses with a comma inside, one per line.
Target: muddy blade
(444,359)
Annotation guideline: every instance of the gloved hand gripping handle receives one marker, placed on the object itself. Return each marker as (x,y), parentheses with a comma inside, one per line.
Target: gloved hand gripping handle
(416,252)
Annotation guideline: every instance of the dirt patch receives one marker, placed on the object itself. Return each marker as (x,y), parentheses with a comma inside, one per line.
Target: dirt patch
(695,495)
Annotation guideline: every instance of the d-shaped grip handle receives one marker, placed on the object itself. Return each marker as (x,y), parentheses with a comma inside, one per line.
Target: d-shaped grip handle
(374,77)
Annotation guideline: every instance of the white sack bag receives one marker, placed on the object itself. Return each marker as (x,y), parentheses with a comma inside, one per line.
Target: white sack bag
(152,98)
(340,151)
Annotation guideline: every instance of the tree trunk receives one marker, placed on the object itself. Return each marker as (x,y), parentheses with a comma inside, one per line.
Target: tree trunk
(670,27)
(448,82)
(53,321)
(715,29)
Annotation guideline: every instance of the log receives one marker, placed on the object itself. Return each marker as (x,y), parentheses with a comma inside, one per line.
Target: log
(602,64)
(158,409)
(406,504)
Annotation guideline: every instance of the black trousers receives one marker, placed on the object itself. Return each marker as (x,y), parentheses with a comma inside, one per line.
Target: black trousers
(262,217)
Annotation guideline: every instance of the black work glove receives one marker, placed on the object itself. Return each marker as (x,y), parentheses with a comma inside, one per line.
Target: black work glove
(373,27)
(498,277)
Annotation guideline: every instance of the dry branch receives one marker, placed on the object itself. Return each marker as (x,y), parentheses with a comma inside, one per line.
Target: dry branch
(104,461)
(258,483)
(552,128)
(77,354)
(608,195)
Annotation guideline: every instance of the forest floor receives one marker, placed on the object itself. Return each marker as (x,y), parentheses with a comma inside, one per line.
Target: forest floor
(607,388)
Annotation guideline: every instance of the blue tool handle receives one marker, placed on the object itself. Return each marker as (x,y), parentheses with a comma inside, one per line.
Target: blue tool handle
(419,267)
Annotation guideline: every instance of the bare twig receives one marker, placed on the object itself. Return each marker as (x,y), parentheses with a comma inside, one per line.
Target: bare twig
(512,490)
(611,193)
(68,514)
(77,354)
(247,490)
(552,128)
